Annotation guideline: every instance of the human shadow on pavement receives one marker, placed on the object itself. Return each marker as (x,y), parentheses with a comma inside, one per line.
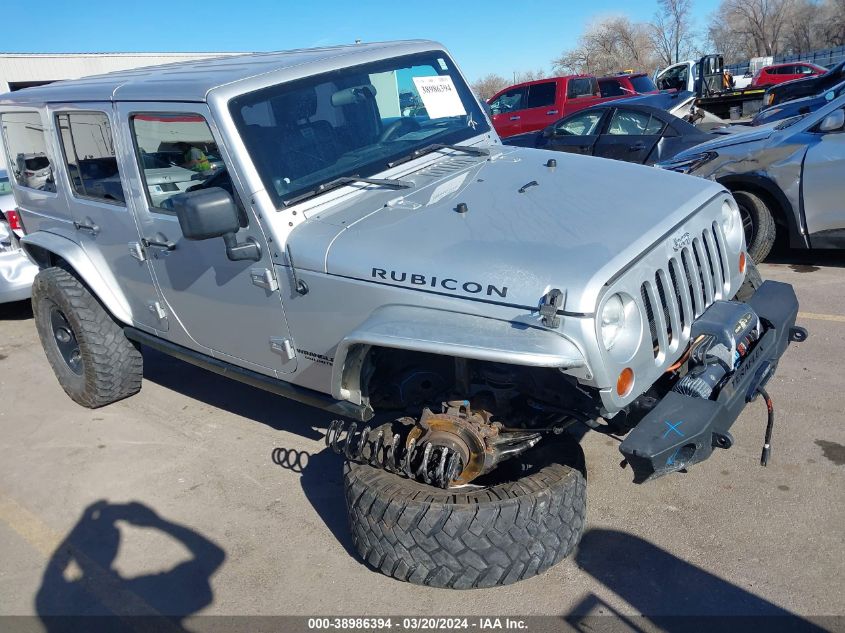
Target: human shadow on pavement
(321,478)
(671,593)
(235,397)
(81,585)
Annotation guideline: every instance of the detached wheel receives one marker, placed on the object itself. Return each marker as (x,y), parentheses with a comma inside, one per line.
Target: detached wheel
(758,224)
(93,360)
(526,520)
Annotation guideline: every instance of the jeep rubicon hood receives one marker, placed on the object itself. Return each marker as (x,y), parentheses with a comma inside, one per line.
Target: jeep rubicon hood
(506,229)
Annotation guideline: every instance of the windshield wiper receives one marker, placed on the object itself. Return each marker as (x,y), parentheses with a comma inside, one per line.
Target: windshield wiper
(346,180)
(475,151)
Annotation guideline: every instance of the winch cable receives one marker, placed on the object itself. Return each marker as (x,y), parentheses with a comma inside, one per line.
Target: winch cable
(767,448)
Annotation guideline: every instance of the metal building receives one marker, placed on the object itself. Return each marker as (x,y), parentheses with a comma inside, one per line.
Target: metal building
(23,70)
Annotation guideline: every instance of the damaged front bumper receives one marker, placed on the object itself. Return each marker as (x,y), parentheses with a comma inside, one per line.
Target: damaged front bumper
(682,430)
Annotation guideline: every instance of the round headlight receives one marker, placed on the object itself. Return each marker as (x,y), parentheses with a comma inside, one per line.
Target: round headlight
(612,321)
(731,222)
(620,327)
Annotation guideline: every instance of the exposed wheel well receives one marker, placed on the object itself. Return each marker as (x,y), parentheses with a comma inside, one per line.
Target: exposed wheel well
(777,202)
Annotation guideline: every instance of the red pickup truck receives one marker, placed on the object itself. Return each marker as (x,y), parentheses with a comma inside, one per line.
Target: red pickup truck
(533,105)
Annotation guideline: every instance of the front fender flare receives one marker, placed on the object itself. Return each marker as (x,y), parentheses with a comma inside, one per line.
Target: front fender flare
(446,333)
(36,243)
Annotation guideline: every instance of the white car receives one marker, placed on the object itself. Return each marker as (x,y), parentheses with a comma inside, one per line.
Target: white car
(16,271)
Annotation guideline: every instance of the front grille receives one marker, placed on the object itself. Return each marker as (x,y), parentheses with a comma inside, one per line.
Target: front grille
(684,288)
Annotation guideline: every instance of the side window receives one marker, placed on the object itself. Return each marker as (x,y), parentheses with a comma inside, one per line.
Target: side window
(583,124)
(629,122)
(509,101)
(26,148)
(89,155)
(541,95)
(581,87)
(611,88)
(176,153)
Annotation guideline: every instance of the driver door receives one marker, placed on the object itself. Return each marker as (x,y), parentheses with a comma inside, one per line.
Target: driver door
(631,136)
(578,133)
(824,204)
(231,310)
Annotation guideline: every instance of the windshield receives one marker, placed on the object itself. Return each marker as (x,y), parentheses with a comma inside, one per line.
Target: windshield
(354,121)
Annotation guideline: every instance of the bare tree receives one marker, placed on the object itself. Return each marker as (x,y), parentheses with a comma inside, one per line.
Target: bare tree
(671,31)
(762,22)
(609,45)
(489,85)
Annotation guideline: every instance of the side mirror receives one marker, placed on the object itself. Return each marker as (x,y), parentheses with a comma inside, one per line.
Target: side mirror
(833,122)
(208,213)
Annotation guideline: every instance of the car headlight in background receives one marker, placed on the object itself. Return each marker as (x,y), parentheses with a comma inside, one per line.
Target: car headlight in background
(687,165)
(620,326)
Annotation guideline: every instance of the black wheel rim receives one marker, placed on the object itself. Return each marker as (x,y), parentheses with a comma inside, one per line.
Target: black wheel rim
(747,225)
(66,341)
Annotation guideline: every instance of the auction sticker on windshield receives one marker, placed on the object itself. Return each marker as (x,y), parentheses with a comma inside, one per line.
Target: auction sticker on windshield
(439,96)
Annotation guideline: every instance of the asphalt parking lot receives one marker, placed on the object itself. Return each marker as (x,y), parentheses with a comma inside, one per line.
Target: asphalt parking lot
(176,501)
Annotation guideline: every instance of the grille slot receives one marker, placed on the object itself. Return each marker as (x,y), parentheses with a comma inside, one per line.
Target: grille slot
(683,289)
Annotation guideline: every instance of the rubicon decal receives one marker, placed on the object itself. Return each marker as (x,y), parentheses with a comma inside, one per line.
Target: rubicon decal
(440,283)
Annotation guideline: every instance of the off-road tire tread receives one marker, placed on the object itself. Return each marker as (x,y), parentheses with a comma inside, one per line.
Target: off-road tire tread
(113,365)
(465,540)
(764,222)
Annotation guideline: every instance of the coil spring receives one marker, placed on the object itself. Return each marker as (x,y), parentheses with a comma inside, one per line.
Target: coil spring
(432,464)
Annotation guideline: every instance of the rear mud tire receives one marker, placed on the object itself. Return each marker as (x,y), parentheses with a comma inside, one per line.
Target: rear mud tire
(517,527)
(106,366)
(757,218)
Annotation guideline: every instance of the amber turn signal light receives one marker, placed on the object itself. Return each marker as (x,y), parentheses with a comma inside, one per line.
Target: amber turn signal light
(625,382)
(742,262)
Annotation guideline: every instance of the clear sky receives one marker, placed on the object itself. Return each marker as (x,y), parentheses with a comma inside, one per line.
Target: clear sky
(494,36)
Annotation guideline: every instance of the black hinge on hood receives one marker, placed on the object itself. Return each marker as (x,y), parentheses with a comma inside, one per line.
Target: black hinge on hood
(549,305)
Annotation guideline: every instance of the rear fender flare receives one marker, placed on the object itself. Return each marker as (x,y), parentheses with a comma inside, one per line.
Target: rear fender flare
(454,334)
(44,248)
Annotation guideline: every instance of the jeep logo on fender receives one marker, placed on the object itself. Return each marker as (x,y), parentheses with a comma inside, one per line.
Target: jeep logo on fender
(446,283)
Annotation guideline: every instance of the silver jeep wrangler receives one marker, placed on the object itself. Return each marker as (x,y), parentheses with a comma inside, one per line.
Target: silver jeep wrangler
(343,227)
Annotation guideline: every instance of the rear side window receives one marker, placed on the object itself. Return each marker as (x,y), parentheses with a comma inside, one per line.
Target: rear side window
(581,87)
(643,84)
(89,154)
(631,123)
(26,148)
(611,88)
(541,95)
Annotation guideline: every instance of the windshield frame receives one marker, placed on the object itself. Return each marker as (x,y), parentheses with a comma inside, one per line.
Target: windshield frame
(383,161)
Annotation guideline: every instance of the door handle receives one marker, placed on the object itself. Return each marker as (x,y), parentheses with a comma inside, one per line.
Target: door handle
(515,118)
(87,225)
(161,243)
(636,147)
(551,112)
